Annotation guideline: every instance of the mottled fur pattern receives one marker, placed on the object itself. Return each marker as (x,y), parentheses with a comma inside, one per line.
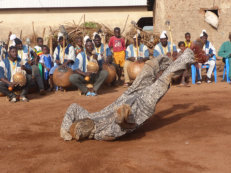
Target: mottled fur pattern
(82,129)
(122,115)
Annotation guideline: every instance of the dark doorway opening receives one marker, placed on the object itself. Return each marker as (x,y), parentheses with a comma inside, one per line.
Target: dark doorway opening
(145,21)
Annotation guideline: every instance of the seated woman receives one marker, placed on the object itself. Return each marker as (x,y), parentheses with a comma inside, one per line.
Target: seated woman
(134,106)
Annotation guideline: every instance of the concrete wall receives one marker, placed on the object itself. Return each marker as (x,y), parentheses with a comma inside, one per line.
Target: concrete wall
(15,20)
(188,16)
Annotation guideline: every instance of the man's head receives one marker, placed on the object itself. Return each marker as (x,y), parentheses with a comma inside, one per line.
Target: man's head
(164,38)
(187,37)
(138,39)
(197,47)
(89,45)
(181,45)
(40,41)
(204,38)
(97,40)
(45,49)
(117,32)
(13,52)
(61,40)
(18,44)
(79,41)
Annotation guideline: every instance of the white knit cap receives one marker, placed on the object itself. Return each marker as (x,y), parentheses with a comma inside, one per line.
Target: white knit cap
(94,34)
(12,37)
(85,39)
(60,34)
(202,32)
(163,34)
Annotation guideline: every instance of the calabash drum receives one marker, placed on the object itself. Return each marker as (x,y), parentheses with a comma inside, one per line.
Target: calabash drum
(134,69)
(61,76)
(92,67)
(111,73)
(19,78)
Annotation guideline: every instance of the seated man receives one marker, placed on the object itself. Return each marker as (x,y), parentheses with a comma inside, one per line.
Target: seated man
(80,71)
(28,56)
(8,67)
(211,53)
(165,47)
(134,106)
(131,56)
(64,54)
(79,45)
(99,48)
(225,52)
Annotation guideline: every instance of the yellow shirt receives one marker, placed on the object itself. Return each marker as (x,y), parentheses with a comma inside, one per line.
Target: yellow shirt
(188,45)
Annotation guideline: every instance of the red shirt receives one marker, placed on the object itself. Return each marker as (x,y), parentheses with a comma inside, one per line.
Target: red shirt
(118,44)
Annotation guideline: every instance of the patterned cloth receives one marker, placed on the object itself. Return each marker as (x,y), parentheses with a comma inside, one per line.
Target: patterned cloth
(142,97)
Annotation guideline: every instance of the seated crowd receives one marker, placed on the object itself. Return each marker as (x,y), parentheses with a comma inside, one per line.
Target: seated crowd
(38,65)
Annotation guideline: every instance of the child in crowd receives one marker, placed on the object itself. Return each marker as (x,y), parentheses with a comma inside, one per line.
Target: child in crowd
(181,47)
(184,77)
(46,62)
(117,44)
(187,40)
(39,52)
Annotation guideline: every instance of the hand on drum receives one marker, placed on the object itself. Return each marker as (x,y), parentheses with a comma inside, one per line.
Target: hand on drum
(23,67)
(88,74)
(132,59)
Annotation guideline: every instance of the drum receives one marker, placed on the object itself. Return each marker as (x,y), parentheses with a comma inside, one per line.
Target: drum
(111,73)
(1,94)
(134,69)
(61,76)
(19,78)
(92,66)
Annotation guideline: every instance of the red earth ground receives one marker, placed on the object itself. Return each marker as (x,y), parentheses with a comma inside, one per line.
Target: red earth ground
(190,132)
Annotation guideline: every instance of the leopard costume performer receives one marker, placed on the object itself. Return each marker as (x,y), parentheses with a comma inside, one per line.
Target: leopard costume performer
(131,109)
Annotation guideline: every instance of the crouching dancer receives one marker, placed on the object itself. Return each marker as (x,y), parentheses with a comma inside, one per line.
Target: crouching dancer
(134,106)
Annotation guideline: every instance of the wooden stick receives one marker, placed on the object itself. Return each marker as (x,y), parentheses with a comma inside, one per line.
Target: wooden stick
(80,20)
(84,24)
(20,35)
(104,47)
(51,44)
(170,34)
(33,32)
(125,24)
(44,30)
(137,46)
(64,39)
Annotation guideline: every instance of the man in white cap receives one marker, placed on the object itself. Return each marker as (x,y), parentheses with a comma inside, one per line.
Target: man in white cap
(165,47)
(211,52)
(131,56)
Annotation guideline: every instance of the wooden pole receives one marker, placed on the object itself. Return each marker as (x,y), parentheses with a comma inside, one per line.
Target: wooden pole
(33,32)
(137,46)
(44,30)
(20,35)
(125,24)
(51,44)
(84,25)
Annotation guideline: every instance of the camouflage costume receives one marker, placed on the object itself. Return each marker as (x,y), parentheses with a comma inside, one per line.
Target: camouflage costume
(142,98)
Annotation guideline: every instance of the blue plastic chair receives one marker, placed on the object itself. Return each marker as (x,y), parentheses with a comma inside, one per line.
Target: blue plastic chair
(196,71)
(226,70)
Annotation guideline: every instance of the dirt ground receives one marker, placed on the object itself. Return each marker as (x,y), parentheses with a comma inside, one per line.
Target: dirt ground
(189,133)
